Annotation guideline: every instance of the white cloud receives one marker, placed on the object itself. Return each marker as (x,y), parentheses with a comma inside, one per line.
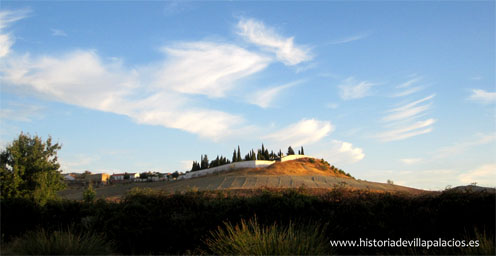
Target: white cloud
(302,133)
(263,98)
(411,160)
(21,112)
(409,82)
(483,96)
(7,17)
(186,165)
(353,89)
(58,32)
(410,110)
(286,51)
(206,68)
(407,131)
(351,38)
(81,78)
(458,148)
(341,152)
(484,175)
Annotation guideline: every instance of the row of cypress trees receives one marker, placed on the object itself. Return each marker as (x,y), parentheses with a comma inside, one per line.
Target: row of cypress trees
(262,154)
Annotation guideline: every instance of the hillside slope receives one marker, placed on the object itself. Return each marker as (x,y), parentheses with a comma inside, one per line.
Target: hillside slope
(310,174)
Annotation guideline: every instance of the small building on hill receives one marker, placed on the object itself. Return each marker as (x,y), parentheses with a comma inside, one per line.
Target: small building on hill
(122,176)
(97,178)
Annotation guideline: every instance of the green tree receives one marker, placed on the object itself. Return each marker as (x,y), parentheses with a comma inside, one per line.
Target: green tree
(302,152)
(89,194)
(29,169)
(290,151)
(238,158)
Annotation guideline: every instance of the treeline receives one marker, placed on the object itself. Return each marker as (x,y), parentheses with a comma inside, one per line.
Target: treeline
(262,154)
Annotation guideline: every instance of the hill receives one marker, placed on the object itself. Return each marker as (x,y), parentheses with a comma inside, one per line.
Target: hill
(307,173)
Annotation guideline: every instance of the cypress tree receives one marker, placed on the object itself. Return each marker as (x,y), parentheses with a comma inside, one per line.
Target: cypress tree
(239,154)
(302,151)
(290,151)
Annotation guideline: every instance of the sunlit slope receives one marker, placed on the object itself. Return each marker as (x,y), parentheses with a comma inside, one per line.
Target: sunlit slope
(311,174)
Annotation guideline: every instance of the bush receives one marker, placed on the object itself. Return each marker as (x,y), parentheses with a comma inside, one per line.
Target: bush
(43,242)
(251,238)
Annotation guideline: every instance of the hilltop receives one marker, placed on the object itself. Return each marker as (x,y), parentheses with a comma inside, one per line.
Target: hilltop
(309,173)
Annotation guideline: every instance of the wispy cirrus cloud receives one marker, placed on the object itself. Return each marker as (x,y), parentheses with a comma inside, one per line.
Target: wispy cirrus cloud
(286,51)
(460,147)
(352,38)
(58,32)
(484,175)
(410,161)
(351,88)
(21,112)
(411,110)
(407,131)
(403,122)
(482,96)
(302,133)
(264,97)
(206,68)
(7,18)
(82,78)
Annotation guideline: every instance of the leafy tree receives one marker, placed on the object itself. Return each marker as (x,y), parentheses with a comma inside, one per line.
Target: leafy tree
(126,176)
(29,168)
(290,151)
(89,194)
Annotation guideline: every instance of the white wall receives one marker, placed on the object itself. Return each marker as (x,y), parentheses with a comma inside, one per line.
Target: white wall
(227,167)
(239,165)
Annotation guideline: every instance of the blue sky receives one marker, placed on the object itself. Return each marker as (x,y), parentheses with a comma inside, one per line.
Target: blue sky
(384,90)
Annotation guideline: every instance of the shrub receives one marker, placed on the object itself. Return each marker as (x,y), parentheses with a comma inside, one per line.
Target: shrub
(251,238)
(43,242)
(89,194)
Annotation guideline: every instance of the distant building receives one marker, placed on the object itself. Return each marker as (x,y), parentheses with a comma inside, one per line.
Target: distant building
(69,177)
(97,178)
(120,176)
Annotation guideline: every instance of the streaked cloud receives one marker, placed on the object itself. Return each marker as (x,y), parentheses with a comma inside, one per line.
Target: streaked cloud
(482,96)
(58,32)
(341,152)
(484,175)
(302,133)
(407,131)
(403,122)
(264,97)
(350,88)
(21,112)
(7,17)
(351,38)
(458,148)
(286,51)
(206,68)
(411,160)
(410,110)
(82,78)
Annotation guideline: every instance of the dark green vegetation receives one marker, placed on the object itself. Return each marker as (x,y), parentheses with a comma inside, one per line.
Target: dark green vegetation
(146,222)
(29,169)
(252,238)
(65,242)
